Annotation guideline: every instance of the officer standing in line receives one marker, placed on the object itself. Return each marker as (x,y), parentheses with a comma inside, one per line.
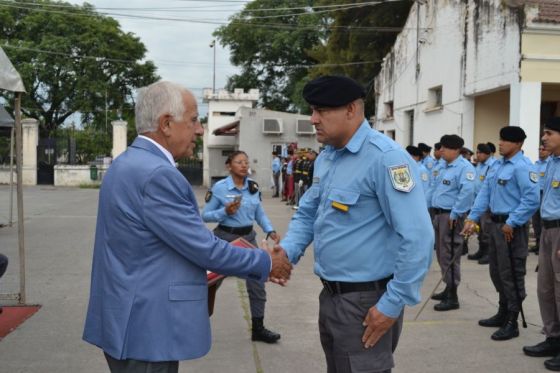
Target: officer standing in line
(370,229)
(452,197)
(540,165)
(511,192)
(416,154)
(235,203)
(311,156)
(427,159)
(548,284)
(484,163)
(276,169)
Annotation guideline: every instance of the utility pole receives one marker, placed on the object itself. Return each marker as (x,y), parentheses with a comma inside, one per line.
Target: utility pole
(213,46)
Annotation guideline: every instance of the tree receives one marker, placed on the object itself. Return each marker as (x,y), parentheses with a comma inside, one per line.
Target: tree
(272,52)
(72,59)
(361,34)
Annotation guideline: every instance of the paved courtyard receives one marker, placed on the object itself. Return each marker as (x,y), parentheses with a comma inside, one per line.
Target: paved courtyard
(59,229)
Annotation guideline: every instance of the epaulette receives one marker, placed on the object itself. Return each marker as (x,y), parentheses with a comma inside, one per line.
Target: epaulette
(382,142)
(253,186)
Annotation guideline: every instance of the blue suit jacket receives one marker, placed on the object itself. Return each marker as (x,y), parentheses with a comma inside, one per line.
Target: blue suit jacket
(149,293)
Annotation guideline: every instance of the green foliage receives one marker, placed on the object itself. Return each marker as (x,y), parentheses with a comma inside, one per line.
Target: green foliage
(90,143)
(66,81)
(272,58)
(359,44)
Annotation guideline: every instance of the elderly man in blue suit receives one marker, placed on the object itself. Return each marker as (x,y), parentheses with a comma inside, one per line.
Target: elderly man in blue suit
(148,303)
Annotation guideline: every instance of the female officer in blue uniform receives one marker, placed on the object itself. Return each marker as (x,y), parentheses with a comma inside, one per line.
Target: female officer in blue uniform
(235,203)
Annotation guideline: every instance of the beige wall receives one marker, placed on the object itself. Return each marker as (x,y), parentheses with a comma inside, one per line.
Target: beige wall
(541,57)
(490,114)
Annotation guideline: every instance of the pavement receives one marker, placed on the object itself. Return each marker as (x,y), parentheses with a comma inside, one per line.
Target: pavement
(59,231)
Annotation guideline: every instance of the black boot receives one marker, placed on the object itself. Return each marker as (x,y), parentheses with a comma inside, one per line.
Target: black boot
(260,333)
(476,255)
(451,301)
(550,347)
(497,320)
(442,295)
(509,330)
(553,364)
(484,259)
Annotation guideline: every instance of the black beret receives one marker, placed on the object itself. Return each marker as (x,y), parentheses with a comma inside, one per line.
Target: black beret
(332,91)
(512,134)
(492,147)
(425,148)
(452,141)
(437,145)
(414,151)
(553,124)
(484,148)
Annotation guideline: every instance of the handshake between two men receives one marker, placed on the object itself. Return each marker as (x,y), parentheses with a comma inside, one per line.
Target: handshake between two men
(281,266)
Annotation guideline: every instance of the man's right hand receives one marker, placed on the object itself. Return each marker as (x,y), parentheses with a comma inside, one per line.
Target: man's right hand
(469,228)
(281,266)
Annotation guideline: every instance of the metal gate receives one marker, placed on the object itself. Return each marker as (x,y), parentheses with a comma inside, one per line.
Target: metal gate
(46,159)
(191,170)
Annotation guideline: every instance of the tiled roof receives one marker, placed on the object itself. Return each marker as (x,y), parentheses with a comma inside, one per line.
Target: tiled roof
(549,10)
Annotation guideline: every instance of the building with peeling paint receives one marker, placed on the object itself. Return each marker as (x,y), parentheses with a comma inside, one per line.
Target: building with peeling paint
(469,67)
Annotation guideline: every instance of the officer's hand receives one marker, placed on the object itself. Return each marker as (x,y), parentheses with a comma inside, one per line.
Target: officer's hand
(376,325)
(452,223)
(508,232)
(275,237)
(469,228)
(281,266)
(232,207)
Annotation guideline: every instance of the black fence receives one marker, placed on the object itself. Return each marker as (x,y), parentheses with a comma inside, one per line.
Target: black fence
(191,170)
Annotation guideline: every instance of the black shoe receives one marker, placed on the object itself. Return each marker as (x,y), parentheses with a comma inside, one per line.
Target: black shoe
(550,347)
(534,249)
(509,330)
(495,321)
(483,260)
(475,256)
(553,364)
(451,301)
(260,333)
(442,295)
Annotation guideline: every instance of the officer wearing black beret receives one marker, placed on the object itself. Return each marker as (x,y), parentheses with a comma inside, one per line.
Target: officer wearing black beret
(332,91)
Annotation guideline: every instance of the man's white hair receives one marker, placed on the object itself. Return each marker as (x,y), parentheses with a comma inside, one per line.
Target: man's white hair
(155,100)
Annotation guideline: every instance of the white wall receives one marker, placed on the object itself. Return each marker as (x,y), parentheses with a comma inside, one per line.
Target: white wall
(76,175)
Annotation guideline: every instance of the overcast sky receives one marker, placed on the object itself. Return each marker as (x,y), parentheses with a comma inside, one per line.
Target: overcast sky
(180,50)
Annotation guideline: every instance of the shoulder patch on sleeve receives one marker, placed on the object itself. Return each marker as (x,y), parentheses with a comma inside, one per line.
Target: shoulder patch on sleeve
(401,178)
(533,176)
(208,196)
(470,176)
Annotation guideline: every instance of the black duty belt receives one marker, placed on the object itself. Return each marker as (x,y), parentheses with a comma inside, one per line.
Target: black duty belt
(240,231)
(547,224)
(338,287)
(438,211)
(499,218)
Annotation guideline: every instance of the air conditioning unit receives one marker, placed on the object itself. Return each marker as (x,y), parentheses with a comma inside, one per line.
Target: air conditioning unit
(272,126)
(304,127)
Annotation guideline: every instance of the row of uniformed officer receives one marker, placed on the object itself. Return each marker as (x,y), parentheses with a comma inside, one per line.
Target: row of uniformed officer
(511,193)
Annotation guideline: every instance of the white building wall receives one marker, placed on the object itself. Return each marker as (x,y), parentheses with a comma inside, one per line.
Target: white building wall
(467,49)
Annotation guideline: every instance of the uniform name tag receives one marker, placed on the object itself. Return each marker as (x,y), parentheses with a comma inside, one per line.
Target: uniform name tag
(542,174)
(340,207)
(481,177)
(502,181)
(555,183)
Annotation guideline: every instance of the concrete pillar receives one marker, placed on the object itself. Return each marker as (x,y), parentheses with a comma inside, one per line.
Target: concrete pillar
(30,140)
(119,137)
(525,112)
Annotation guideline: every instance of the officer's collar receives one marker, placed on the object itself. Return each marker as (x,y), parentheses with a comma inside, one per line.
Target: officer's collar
(514,159)
(231,185)
(358,138)
(455,161)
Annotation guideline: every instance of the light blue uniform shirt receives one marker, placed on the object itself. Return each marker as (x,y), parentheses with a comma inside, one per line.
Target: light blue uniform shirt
(364,228)
(425,179)
(511,188)
(541,170)
(440,163)
(276,165)
(550,208)
(454,187)
(250,210)
(429,162)
(482,169)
